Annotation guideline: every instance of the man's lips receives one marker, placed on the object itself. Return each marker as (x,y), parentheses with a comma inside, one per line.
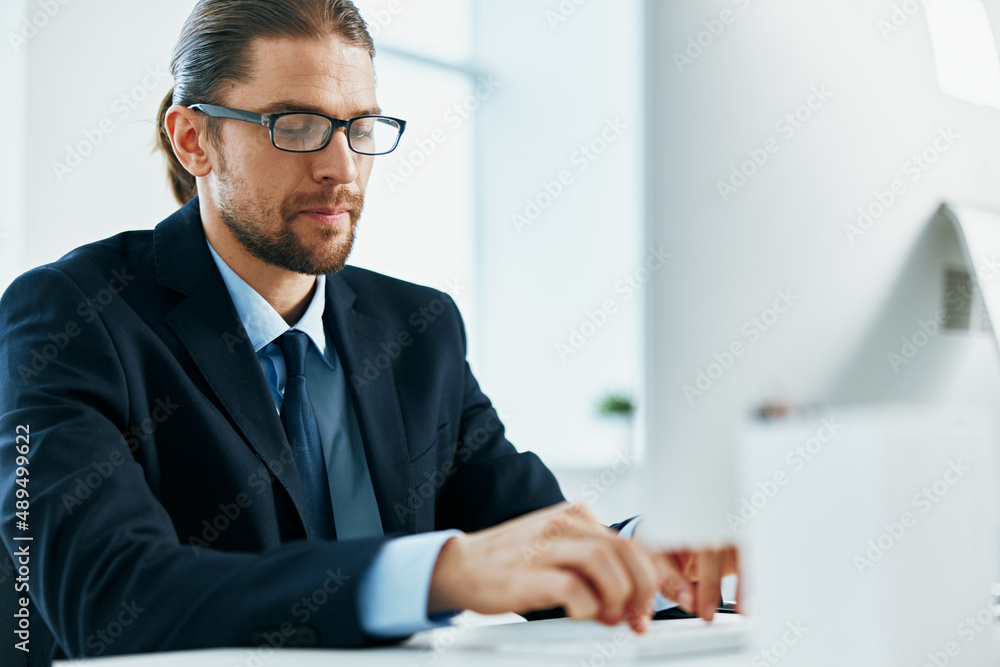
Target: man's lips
(328,216)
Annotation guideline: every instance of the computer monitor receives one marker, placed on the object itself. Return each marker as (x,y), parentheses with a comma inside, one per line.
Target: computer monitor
(796,152)
(872,520)
(933,340)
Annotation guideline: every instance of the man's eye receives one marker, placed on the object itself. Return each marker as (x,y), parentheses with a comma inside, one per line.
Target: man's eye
(297,129)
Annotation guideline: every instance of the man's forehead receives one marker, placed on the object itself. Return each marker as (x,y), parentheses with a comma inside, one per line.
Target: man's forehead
(325,74)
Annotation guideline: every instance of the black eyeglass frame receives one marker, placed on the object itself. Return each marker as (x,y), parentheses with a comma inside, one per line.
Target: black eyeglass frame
(269,119)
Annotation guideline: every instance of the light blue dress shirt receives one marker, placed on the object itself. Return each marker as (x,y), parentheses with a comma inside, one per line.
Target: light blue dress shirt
(393,591)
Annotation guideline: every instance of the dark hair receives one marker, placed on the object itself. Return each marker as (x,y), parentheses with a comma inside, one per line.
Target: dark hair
(213,48)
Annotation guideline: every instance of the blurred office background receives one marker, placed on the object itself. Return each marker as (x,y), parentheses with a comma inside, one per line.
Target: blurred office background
(556,151)
(499,102)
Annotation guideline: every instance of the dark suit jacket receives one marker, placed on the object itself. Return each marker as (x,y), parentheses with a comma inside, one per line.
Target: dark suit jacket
(165,507)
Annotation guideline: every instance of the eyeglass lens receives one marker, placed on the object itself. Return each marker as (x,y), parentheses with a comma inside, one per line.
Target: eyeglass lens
(308,132)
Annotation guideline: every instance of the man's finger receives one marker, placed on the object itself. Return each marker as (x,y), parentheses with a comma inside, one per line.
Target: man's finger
(560,588)
(673,584)
(645,579)
(599,562)
(710,564)
(735,556)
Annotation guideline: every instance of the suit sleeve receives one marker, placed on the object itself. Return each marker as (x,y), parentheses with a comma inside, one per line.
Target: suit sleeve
(492,482)
(108,574)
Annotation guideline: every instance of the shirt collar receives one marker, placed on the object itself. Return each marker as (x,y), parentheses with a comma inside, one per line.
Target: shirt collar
(262,322)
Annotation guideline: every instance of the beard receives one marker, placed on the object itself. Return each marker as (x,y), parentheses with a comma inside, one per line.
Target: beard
(251,222)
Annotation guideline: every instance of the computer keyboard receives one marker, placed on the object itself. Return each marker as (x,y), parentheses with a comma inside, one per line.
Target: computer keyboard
(565,637)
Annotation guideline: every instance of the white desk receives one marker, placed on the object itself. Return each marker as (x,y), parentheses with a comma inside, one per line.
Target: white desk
(388,657)
(444,654)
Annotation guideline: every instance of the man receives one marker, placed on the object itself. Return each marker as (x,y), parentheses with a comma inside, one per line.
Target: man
(204,462)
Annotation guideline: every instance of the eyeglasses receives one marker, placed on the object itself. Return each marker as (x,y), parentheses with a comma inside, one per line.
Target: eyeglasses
(306,132)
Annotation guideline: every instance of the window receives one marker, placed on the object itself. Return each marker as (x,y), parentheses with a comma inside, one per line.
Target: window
(420,206)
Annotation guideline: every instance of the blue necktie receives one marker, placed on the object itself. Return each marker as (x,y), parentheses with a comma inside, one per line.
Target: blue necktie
(303,435)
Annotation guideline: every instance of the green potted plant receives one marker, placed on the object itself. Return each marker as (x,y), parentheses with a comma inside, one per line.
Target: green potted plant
(618,408)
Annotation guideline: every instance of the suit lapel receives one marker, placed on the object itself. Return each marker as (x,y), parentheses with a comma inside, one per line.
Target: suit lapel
(208,326)
(357,338)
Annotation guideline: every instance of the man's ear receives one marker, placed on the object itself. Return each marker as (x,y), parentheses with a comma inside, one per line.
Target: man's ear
(189,138)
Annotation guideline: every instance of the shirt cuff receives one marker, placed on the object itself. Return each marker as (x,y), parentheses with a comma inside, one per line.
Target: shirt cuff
(660,603)
(393,591)
(629,528)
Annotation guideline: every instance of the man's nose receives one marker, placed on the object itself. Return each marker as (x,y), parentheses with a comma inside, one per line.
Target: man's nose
(336,161)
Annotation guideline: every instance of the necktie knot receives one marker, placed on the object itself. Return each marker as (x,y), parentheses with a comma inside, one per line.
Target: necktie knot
(294,345)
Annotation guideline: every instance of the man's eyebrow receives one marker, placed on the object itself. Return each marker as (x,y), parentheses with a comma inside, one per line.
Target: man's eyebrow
(292,105)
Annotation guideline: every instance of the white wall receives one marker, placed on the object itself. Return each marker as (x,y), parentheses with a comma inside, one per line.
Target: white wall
(783,229)
(90,65)
(566,79)
(13,115)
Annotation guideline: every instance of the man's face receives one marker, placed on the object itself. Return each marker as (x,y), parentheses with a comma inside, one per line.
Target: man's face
(297,211)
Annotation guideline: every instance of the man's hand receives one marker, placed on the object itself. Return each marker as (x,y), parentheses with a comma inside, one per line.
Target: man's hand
(559,556)
(704,567)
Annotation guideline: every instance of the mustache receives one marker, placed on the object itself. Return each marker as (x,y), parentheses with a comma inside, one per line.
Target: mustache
(354,200)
